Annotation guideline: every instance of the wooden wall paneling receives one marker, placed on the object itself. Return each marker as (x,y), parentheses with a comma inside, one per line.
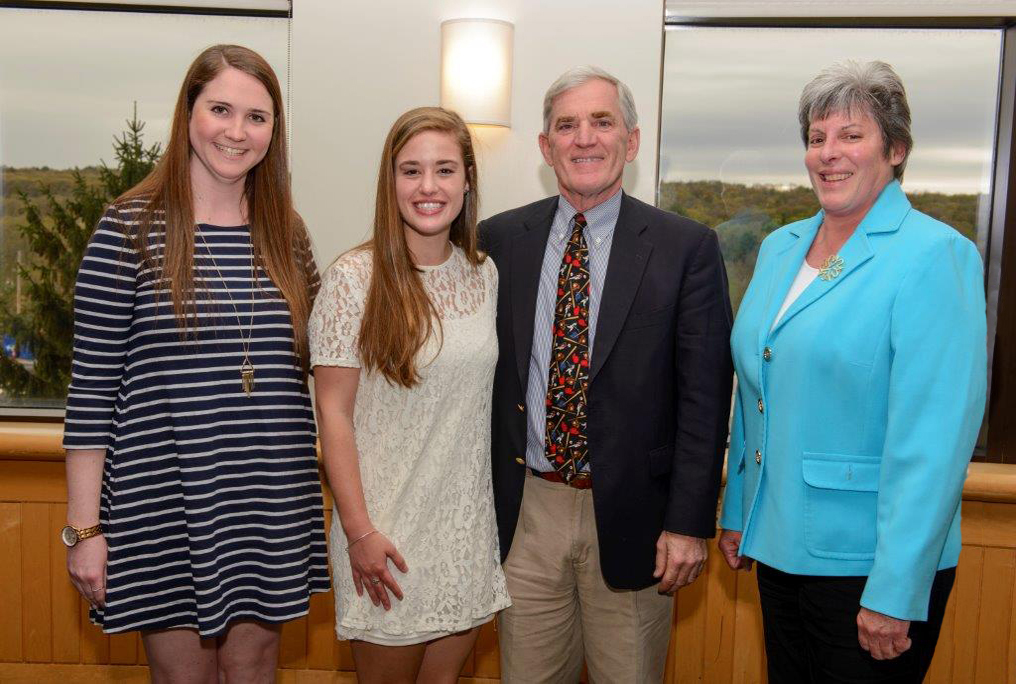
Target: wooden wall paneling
(986,524)
(718,641)
(322,646)
(123,648)
(993,622)
(967,592)
(315,677)
(35,481)
(293,644)
(94,644)
(1012,637)
(486,657)
(688,630)
(346,663)
(749,654)
(323,650)
(66,616)
(10,582)
(941,668)
(52,673)
(36,620)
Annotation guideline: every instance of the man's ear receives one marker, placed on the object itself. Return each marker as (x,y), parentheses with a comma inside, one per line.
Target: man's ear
(634,137)
(544,141)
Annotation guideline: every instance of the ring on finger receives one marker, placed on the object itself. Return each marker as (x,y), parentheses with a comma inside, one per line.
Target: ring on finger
(375,580)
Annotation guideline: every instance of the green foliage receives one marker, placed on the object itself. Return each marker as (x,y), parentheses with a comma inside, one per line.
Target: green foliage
(56,217)
(743,215)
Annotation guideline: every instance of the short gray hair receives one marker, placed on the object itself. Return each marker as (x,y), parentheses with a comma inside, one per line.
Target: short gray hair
(872,88)
(581,75)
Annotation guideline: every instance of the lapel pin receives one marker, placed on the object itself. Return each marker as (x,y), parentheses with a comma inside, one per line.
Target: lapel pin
(831,268)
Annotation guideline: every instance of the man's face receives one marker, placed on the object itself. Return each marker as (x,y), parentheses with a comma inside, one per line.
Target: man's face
(588,143)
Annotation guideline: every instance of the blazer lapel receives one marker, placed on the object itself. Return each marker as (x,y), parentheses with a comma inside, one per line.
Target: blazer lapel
(885,216)
(855,252)
(628,257)
(526,261)
(786,264)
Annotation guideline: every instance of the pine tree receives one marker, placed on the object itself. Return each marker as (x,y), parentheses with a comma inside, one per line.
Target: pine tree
(45,323)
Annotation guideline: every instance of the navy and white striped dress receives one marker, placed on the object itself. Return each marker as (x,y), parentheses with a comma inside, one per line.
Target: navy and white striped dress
(210,502)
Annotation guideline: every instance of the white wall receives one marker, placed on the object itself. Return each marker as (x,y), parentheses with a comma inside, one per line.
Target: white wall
(358,64)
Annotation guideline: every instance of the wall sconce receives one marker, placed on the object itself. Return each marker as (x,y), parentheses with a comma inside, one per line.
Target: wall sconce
(476,70)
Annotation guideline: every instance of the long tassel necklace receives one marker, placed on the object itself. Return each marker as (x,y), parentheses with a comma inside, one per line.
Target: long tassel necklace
(246,367)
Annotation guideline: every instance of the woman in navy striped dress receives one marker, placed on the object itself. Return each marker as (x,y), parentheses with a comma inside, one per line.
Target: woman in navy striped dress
(194,504)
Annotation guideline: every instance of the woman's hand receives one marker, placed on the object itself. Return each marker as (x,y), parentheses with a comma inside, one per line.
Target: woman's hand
(730,547)
(368,557)
(86,564)
(882,636)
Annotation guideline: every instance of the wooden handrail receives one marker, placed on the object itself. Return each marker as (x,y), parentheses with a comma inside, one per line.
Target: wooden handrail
(24,441)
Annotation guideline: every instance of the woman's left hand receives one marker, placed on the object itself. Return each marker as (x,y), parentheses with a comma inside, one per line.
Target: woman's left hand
(882,636)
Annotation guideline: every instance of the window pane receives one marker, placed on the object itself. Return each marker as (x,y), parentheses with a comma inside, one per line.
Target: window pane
(731,155)
(69,81)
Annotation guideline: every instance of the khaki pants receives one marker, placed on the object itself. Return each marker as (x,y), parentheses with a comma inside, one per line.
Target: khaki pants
(562,610)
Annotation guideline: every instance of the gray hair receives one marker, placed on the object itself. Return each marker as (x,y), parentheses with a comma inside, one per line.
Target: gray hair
(581,75)
(872,88)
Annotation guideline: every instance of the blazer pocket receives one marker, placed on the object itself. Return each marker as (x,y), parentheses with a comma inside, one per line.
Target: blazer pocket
(841,494)
(661,460)
(649,318)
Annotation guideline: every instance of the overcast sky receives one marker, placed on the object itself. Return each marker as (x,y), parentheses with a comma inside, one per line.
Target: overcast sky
(730,101)
(68,79)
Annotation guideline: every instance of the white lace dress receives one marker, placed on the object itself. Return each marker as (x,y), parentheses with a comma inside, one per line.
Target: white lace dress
(424,456)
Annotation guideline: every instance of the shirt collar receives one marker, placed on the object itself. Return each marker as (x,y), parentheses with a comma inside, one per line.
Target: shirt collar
(600,220)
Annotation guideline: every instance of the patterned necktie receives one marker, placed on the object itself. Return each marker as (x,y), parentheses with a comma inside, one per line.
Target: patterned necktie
(566,446)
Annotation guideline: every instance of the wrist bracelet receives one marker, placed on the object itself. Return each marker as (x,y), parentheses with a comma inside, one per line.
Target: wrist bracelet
(362,536)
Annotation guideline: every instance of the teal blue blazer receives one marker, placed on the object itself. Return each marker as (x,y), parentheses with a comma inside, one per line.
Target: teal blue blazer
(856,416)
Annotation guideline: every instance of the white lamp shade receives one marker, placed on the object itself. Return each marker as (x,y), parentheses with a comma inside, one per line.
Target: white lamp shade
(476,70)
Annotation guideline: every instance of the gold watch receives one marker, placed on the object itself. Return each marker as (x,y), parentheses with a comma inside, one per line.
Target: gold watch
(71,535)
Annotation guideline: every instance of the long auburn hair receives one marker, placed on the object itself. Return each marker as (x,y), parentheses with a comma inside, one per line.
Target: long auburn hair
(278,236)
(398,316)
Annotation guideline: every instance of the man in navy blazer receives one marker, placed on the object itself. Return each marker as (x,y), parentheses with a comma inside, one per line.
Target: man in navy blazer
(600,526)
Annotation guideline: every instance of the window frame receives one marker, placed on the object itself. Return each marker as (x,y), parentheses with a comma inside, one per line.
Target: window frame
(264,9)
(1000,254)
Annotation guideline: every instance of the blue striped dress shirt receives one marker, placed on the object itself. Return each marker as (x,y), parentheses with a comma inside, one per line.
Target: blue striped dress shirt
(599,234)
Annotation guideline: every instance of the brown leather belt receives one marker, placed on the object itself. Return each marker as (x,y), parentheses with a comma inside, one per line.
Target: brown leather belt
(580,481)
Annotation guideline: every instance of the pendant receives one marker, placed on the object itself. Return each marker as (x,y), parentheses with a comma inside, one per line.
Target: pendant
(247,376)
(831,268)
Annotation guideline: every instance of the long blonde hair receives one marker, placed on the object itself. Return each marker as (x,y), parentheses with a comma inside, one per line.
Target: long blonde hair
(398,316)
(278,237)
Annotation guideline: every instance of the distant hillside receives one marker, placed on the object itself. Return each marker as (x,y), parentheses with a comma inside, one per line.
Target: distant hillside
(744,214)
(30,180)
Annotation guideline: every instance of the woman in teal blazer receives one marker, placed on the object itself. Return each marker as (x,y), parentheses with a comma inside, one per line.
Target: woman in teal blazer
(860,350)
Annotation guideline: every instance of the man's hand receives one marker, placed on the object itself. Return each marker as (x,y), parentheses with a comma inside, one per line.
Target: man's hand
(730,547)
(679,560)
(882,636)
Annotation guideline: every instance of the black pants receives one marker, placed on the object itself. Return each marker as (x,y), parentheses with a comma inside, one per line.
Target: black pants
(811,630)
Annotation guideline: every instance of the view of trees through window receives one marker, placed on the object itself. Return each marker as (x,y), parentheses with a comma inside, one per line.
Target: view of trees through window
(71,139)
(731,154)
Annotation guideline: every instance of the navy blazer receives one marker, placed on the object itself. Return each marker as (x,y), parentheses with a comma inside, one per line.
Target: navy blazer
(660,379)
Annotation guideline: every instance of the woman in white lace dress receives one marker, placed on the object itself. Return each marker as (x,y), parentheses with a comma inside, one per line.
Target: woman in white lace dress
(403,348)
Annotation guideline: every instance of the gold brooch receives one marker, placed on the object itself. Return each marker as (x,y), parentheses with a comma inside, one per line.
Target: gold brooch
(830,268)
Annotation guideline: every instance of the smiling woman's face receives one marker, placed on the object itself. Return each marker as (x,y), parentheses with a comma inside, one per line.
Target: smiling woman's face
(230,128)
(430,180)
(847,164)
